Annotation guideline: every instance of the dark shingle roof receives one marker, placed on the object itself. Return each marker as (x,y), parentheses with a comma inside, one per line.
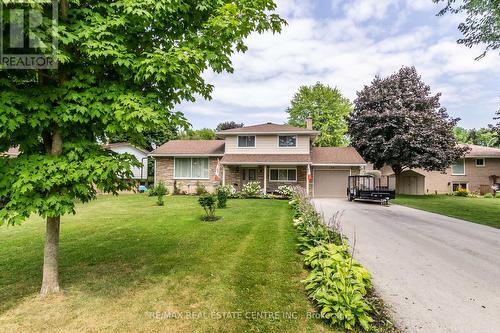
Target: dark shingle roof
(336,155)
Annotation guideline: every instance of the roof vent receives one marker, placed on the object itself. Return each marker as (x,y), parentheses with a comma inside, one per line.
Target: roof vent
(269,123)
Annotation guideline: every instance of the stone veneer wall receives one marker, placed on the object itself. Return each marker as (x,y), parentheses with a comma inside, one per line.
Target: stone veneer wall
(164,172)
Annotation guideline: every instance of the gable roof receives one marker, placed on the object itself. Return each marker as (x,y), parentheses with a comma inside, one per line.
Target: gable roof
(190,148)
(110,146)
(268,128)
(336,155)
(481,151)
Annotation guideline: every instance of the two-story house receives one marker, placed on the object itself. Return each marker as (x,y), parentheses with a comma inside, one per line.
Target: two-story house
(269,153)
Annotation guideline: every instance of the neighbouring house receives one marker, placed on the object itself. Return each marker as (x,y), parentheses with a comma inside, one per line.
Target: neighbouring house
(270,154)
(476,172)
(140,173)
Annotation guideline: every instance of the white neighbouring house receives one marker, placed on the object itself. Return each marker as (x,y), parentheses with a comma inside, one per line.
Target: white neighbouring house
(140,173)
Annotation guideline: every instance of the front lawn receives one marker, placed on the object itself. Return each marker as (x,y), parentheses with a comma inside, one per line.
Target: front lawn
(129,265)
(477,210)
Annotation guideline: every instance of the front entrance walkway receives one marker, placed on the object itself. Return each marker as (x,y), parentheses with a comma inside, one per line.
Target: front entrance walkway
(438,274)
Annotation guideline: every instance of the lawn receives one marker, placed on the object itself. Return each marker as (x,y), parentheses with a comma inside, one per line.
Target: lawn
(477,210)
(129,265)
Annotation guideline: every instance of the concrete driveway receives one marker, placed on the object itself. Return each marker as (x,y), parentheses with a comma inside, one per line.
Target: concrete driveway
(437,274)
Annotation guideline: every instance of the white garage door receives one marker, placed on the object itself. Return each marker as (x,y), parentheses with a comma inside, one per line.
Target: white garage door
(330,183)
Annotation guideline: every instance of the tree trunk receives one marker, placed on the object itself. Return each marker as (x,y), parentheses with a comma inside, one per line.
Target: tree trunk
(50,283)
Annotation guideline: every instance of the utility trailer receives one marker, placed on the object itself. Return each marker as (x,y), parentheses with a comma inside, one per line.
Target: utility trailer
(370,188)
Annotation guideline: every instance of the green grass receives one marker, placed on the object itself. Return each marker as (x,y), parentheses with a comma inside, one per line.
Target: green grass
(123,258)
(478,210)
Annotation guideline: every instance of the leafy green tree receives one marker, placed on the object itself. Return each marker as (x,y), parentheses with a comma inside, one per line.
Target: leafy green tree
(201,134)
(150,138)
(396,121)
(123,65)
(485,136)
(482,24)
(462,135)
(228,125)
(328,110)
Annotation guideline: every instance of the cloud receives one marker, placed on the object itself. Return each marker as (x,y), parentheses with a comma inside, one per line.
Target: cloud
(361,39)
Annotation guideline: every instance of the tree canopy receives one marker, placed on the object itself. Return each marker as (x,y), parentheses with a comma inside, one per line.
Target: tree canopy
(398,122)
(122,66)
(485,136)
(201,134)
(328,110)
(228,125)
(482,24)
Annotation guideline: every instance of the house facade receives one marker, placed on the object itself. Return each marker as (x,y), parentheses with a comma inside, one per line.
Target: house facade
(270,154)
(477,171)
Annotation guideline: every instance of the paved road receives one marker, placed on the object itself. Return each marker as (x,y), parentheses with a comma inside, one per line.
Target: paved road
(437,274)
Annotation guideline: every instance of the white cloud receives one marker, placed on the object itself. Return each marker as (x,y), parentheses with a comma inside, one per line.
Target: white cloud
(347,53)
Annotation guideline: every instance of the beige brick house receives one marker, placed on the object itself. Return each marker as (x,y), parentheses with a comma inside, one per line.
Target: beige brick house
(478,171)
(269,153)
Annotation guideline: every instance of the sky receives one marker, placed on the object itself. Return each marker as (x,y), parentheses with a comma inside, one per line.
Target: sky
(345,43)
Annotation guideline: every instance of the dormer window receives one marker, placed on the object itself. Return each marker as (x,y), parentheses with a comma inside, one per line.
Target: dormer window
(287,141)
(246,141)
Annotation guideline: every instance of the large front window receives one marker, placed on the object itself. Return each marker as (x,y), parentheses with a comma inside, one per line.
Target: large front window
(458,168)
(287,141)
(191,168)
(283,175)
(246,141)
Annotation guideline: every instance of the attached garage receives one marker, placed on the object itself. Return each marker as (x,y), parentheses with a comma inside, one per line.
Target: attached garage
(330,183)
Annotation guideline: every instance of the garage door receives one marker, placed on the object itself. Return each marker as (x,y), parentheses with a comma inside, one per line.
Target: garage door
(330,183)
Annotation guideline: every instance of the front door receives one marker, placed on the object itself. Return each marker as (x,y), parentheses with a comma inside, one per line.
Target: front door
(249,175)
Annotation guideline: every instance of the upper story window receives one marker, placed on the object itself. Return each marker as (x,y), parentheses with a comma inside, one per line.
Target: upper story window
(287,141)
(246,141)
(480,162)
(458,168)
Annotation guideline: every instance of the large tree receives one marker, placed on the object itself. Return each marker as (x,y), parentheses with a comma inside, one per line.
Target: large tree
(123,65)
(482,24)
(328,110)
(150,138)
(201,134)
(398,122)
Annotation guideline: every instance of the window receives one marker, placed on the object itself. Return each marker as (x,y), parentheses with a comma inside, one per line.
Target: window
(191,168)
(458,168)
(287,141)
(283,175)
(480,162)
(246,141)
(456,186)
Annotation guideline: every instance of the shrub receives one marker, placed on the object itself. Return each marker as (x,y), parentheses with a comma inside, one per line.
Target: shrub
(200,189)
(286,191)
(251,190)
(222,193)
(208,202)
(160,191)
(488,196)
(462,192)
